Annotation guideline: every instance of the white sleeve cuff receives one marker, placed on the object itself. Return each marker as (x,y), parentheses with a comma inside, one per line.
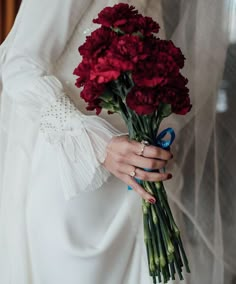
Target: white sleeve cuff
(81,142)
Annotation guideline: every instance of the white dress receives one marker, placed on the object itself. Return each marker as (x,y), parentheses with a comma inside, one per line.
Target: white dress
(64,218)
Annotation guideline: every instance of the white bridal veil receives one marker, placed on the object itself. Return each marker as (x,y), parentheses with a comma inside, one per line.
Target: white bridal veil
(202,192)
(205,30)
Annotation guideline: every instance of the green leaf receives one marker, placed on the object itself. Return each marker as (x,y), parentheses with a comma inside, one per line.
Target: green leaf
(118,31)
(139,34)
(165,110)
(109,106)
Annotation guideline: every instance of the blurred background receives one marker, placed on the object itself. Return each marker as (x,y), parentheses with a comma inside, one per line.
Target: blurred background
(8,10)
(206,32)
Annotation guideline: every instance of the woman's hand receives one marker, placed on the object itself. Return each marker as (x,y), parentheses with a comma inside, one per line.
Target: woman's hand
(125,159)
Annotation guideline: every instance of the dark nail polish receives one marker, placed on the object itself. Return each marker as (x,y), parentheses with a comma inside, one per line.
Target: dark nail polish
(169,176)
(151,200)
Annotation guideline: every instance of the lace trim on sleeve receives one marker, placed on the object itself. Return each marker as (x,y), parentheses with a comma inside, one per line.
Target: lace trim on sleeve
(81,143)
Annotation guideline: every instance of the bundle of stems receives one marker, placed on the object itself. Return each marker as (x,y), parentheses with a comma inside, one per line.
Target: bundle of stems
(165,251)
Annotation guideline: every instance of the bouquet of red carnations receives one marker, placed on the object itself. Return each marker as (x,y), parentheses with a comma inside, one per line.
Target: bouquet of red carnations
(126,69)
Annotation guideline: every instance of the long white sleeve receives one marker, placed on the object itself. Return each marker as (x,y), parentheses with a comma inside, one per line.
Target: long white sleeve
(40,39)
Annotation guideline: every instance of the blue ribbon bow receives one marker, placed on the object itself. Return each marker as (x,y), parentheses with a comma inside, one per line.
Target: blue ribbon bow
(162,143)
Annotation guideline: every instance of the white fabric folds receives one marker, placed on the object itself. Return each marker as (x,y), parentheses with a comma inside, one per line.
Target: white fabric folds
(81,143)
(79,139)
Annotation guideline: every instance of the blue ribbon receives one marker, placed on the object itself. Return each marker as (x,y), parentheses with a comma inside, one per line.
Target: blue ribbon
(165,144)
(162,143)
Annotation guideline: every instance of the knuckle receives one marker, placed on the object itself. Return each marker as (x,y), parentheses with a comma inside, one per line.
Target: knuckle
(142,192)
(119,158)
(134,185)
(151,164)
(157,152)
(129,181)
(116,167)
(126,147)
(135,188)
(143,175)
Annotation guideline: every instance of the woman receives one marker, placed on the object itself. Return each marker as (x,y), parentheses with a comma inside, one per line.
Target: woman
(66,214)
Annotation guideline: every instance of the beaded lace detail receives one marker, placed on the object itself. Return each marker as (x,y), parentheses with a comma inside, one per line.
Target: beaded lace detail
(55,117)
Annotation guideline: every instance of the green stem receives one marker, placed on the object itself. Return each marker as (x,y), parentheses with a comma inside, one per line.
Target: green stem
(148,188)
(162,258)
(148,242)
(147,121)
(151,242)
(163,221)
(168,244)
(140,123)
(146,236)
(165,229)
(172,269)
(154,241)
(179,270)
(177,253)
(183,255)
(160,193)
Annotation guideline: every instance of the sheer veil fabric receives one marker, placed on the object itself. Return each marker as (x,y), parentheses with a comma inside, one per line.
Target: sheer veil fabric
(202,192)
(206,137)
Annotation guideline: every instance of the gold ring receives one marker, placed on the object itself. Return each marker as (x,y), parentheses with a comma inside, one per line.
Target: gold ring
(132,174)
(143,144)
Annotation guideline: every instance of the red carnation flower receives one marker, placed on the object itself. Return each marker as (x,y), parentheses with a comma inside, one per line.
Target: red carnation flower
(140,24)
(182,105)
(92,91)
(95,105)
(127,48)
(168,47)
(177,94)
(180,102)
(148,26)
(97,43)
(104,71)
(115,16)
(142,100)
(178,82)
(83,71)
(155,71)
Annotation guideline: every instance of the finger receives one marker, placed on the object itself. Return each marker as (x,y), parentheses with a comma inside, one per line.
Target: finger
(149,151)
(144,163)
(157,152)
(142,174)
(138,188)
(151,176)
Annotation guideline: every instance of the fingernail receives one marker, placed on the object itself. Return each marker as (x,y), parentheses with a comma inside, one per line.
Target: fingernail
(152,200)
(169,176)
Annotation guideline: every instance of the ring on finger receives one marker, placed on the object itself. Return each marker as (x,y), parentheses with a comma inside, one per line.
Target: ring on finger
(133,173)
(144,143)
